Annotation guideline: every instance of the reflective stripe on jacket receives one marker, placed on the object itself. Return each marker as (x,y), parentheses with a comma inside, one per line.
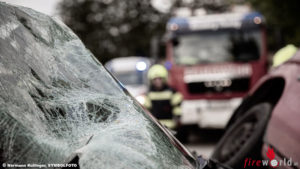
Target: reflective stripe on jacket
(164,104)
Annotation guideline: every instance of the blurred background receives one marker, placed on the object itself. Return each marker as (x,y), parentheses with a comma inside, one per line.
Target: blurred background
(114,29)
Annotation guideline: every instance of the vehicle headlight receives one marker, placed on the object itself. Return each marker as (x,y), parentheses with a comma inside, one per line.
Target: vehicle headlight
(141,66)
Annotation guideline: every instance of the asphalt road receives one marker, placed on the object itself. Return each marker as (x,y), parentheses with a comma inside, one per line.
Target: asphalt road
(203,141)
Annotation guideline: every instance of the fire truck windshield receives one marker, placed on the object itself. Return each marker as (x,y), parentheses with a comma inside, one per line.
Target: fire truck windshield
(205,47)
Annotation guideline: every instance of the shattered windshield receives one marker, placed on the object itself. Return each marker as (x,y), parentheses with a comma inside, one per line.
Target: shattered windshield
(220,46)
(58,102)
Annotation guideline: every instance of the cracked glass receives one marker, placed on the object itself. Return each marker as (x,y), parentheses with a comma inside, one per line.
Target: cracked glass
(58,103)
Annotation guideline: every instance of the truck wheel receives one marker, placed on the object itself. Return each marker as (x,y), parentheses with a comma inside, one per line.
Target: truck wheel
(243,139)
(183,134)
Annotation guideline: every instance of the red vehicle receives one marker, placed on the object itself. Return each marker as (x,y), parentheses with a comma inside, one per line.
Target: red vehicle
(213,61)
(266,125)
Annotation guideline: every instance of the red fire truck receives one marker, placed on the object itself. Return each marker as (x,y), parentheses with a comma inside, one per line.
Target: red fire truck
(213,60)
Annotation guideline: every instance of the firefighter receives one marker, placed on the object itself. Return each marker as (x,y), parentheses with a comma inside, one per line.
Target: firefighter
(161,100)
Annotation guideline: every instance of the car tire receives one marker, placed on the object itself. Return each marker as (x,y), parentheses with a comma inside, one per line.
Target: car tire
(243,139)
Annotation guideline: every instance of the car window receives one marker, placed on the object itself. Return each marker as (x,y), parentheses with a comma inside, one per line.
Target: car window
(57,100)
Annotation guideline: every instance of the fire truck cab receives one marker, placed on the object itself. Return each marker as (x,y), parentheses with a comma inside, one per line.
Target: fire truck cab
(213,60)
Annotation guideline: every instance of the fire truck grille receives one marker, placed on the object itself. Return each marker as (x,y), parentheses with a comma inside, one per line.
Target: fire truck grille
(219,86)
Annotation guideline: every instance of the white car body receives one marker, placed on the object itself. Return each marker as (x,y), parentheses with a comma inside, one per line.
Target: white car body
(132,73)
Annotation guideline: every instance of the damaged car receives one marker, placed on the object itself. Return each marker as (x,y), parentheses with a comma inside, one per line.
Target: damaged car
(265,127)
(59,107)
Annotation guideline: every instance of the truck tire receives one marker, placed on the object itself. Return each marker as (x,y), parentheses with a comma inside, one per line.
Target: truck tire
(243,139)
(183,134)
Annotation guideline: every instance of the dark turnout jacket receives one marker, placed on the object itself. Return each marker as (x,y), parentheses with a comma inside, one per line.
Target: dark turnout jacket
(164,104)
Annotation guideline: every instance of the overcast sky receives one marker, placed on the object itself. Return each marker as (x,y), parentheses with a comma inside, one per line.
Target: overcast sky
(44,6)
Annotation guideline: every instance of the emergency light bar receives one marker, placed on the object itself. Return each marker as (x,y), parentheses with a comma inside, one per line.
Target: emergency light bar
(215,21)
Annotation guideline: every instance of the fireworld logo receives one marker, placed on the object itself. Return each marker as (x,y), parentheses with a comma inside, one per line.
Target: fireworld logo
(272,162)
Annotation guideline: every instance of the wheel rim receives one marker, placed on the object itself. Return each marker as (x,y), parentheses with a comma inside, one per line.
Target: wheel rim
(238,137)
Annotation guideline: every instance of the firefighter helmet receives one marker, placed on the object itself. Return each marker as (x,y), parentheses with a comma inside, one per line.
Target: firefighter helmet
(157,71)
(284,54)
